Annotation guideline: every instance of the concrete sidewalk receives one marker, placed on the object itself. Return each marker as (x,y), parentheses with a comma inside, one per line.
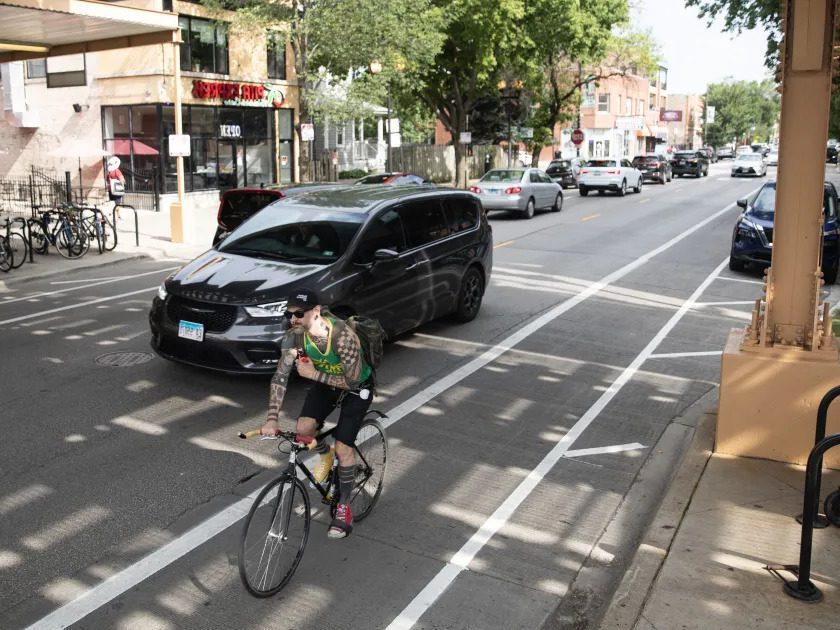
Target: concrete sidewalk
(704,561)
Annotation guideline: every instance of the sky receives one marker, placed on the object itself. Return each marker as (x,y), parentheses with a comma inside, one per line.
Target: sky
(695,55)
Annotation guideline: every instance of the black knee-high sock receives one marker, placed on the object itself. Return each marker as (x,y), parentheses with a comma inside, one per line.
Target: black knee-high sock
(346,481)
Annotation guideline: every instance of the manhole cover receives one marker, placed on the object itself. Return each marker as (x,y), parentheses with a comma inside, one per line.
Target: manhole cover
(123,359)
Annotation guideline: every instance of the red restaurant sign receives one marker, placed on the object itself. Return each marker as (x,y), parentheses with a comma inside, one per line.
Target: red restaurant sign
(253,94)
(670,115)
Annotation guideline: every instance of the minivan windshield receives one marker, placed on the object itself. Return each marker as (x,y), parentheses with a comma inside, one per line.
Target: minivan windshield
(298,235)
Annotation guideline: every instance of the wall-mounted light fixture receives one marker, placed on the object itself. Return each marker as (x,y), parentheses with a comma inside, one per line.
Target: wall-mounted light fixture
(78,107)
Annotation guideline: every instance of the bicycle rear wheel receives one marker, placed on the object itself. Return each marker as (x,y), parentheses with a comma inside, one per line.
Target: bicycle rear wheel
(107,234)
(371,458)
(274,536)
(40,242)
(17,243)
(70,241)
(6,259)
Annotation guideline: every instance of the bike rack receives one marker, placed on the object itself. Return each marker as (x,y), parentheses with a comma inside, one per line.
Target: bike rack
(802,588)
(136,223)
(820,520)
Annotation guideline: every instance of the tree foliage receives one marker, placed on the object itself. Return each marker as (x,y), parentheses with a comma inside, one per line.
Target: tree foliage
(744,110)
(745,15)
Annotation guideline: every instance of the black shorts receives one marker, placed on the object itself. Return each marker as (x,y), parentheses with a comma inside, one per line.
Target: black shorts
(320,401)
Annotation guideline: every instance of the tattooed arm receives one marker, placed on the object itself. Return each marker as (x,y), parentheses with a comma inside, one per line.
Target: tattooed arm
(280,380)
(348,348)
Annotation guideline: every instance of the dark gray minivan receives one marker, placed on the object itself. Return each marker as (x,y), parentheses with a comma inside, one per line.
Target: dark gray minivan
(404,255)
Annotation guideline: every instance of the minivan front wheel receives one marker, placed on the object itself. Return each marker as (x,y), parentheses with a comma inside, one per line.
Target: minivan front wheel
(469,299)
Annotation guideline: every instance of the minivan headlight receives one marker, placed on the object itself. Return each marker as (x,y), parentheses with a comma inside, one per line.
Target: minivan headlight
(162,291)
(272,309)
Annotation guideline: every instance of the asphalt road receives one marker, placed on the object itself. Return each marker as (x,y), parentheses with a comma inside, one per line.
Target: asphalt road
(513,438)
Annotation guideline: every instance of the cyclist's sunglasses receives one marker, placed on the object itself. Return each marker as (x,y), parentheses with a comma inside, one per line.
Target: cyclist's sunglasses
(296,314)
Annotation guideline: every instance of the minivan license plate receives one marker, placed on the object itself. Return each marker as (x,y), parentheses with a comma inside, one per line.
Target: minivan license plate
(191,330)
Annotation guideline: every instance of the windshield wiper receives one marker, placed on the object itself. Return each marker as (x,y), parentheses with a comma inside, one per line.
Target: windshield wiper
(244,251)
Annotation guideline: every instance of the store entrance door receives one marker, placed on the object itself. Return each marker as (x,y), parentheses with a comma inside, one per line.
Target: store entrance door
(231,164)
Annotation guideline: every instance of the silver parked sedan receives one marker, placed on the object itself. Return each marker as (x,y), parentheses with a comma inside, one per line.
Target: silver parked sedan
(523,190)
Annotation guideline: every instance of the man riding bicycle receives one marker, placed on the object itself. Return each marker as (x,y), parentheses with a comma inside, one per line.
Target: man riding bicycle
(325,350)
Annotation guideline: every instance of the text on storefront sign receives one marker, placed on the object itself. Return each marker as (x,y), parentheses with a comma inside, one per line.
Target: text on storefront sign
(230,131)
(250,94)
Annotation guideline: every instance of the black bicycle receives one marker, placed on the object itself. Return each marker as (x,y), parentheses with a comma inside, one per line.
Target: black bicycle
(15,242)
(97,228)
(62,233)
(277,526)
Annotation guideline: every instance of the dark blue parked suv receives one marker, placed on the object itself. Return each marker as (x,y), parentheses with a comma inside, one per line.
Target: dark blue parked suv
(752,239)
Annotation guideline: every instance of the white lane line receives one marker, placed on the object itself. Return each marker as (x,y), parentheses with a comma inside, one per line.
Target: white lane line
(741,279)
(72,306)
(35,296)
(618,448)
(104,592)
(736,303)
(462,558)
(679,355)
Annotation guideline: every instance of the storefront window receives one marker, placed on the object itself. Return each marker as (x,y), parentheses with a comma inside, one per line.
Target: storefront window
(276,54)
(230,146)
(116,122)
(205,45)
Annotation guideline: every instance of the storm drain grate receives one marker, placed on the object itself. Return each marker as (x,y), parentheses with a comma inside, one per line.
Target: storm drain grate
(123,359)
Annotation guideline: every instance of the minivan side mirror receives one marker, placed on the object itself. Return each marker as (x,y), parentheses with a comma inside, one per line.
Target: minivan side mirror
(742,203)
(385,260)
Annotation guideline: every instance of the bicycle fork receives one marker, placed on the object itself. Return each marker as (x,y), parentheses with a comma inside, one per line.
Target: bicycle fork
(283,514)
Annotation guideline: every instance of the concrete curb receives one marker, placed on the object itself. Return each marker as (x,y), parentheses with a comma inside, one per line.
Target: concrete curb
(632,594)
(618,566)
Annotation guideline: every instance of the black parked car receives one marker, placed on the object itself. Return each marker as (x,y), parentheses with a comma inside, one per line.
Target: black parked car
(831,154)
(654,167)
(690,163)
(404,255)
(563,172)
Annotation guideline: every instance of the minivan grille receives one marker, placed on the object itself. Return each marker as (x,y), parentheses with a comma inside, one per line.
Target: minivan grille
(216,318)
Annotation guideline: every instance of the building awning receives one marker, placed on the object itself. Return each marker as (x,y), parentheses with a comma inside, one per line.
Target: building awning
(33,29)
(645,132)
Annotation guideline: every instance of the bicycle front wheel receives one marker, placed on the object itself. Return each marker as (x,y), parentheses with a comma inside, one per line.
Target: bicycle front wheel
(107,234)
(371,458)
(6,259)
(274,536)
(71,242)
(17,243)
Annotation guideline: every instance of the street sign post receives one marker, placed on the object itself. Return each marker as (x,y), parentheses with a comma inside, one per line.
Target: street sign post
(307,132)
(577,137)
(179,145)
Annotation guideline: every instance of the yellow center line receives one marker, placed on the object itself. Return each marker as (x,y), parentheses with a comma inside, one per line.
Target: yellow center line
(503,244)
(590,217)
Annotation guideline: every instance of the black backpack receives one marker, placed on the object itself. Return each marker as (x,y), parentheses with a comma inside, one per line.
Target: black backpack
(371,336)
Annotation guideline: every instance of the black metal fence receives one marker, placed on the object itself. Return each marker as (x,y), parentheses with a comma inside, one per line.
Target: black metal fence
(23,195)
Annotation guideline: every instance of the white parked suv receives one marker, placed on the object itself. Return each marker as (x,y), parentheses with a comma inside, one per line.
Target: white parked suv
(614,174)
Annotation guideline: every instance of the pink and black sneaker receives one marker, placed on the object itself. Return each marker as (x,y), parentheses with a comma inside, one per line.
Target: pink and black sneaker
(342,524)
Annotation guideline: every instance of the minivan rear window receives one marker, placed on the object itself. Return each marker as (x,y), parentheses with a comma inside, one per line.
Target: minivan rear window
(461,213)
(238,205)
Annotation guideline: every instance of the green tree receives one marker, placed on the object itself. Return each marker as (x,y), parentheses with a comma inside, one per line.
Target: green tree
(334,42)
(571,64)
(741,15)
(744,110)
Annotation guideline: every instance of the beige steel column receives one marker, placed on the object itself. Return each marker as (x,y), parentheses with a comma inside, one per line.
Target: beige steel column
(774,372)
(794,280)
(176,210)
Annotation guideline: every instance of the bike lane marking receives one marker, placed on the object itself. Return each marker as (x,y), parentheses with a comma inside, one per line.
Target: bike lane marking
(97,283)
(22,318)
(99,595)
(427,597)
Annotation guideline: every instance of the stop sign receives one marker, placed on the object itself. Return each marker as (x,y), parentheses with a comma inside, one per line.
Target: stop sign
(577,136)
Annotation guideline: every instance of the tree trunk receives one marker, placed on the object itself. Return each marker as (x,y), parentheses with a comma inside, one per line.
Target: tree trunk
(460,164)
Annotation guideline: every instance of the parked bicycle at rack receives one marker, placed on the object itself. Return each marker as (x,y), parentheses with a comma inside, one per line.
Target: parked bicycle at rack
(63,233)
(96,227)
(14,239)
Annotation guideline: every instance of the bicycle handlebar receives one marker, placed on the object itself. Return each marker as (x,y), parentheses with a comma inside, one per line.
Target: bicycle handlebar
(286,435)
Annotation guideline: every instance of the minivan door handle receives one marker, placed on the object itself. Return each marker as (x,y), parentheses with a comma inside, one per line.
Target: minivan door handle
(424,261)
